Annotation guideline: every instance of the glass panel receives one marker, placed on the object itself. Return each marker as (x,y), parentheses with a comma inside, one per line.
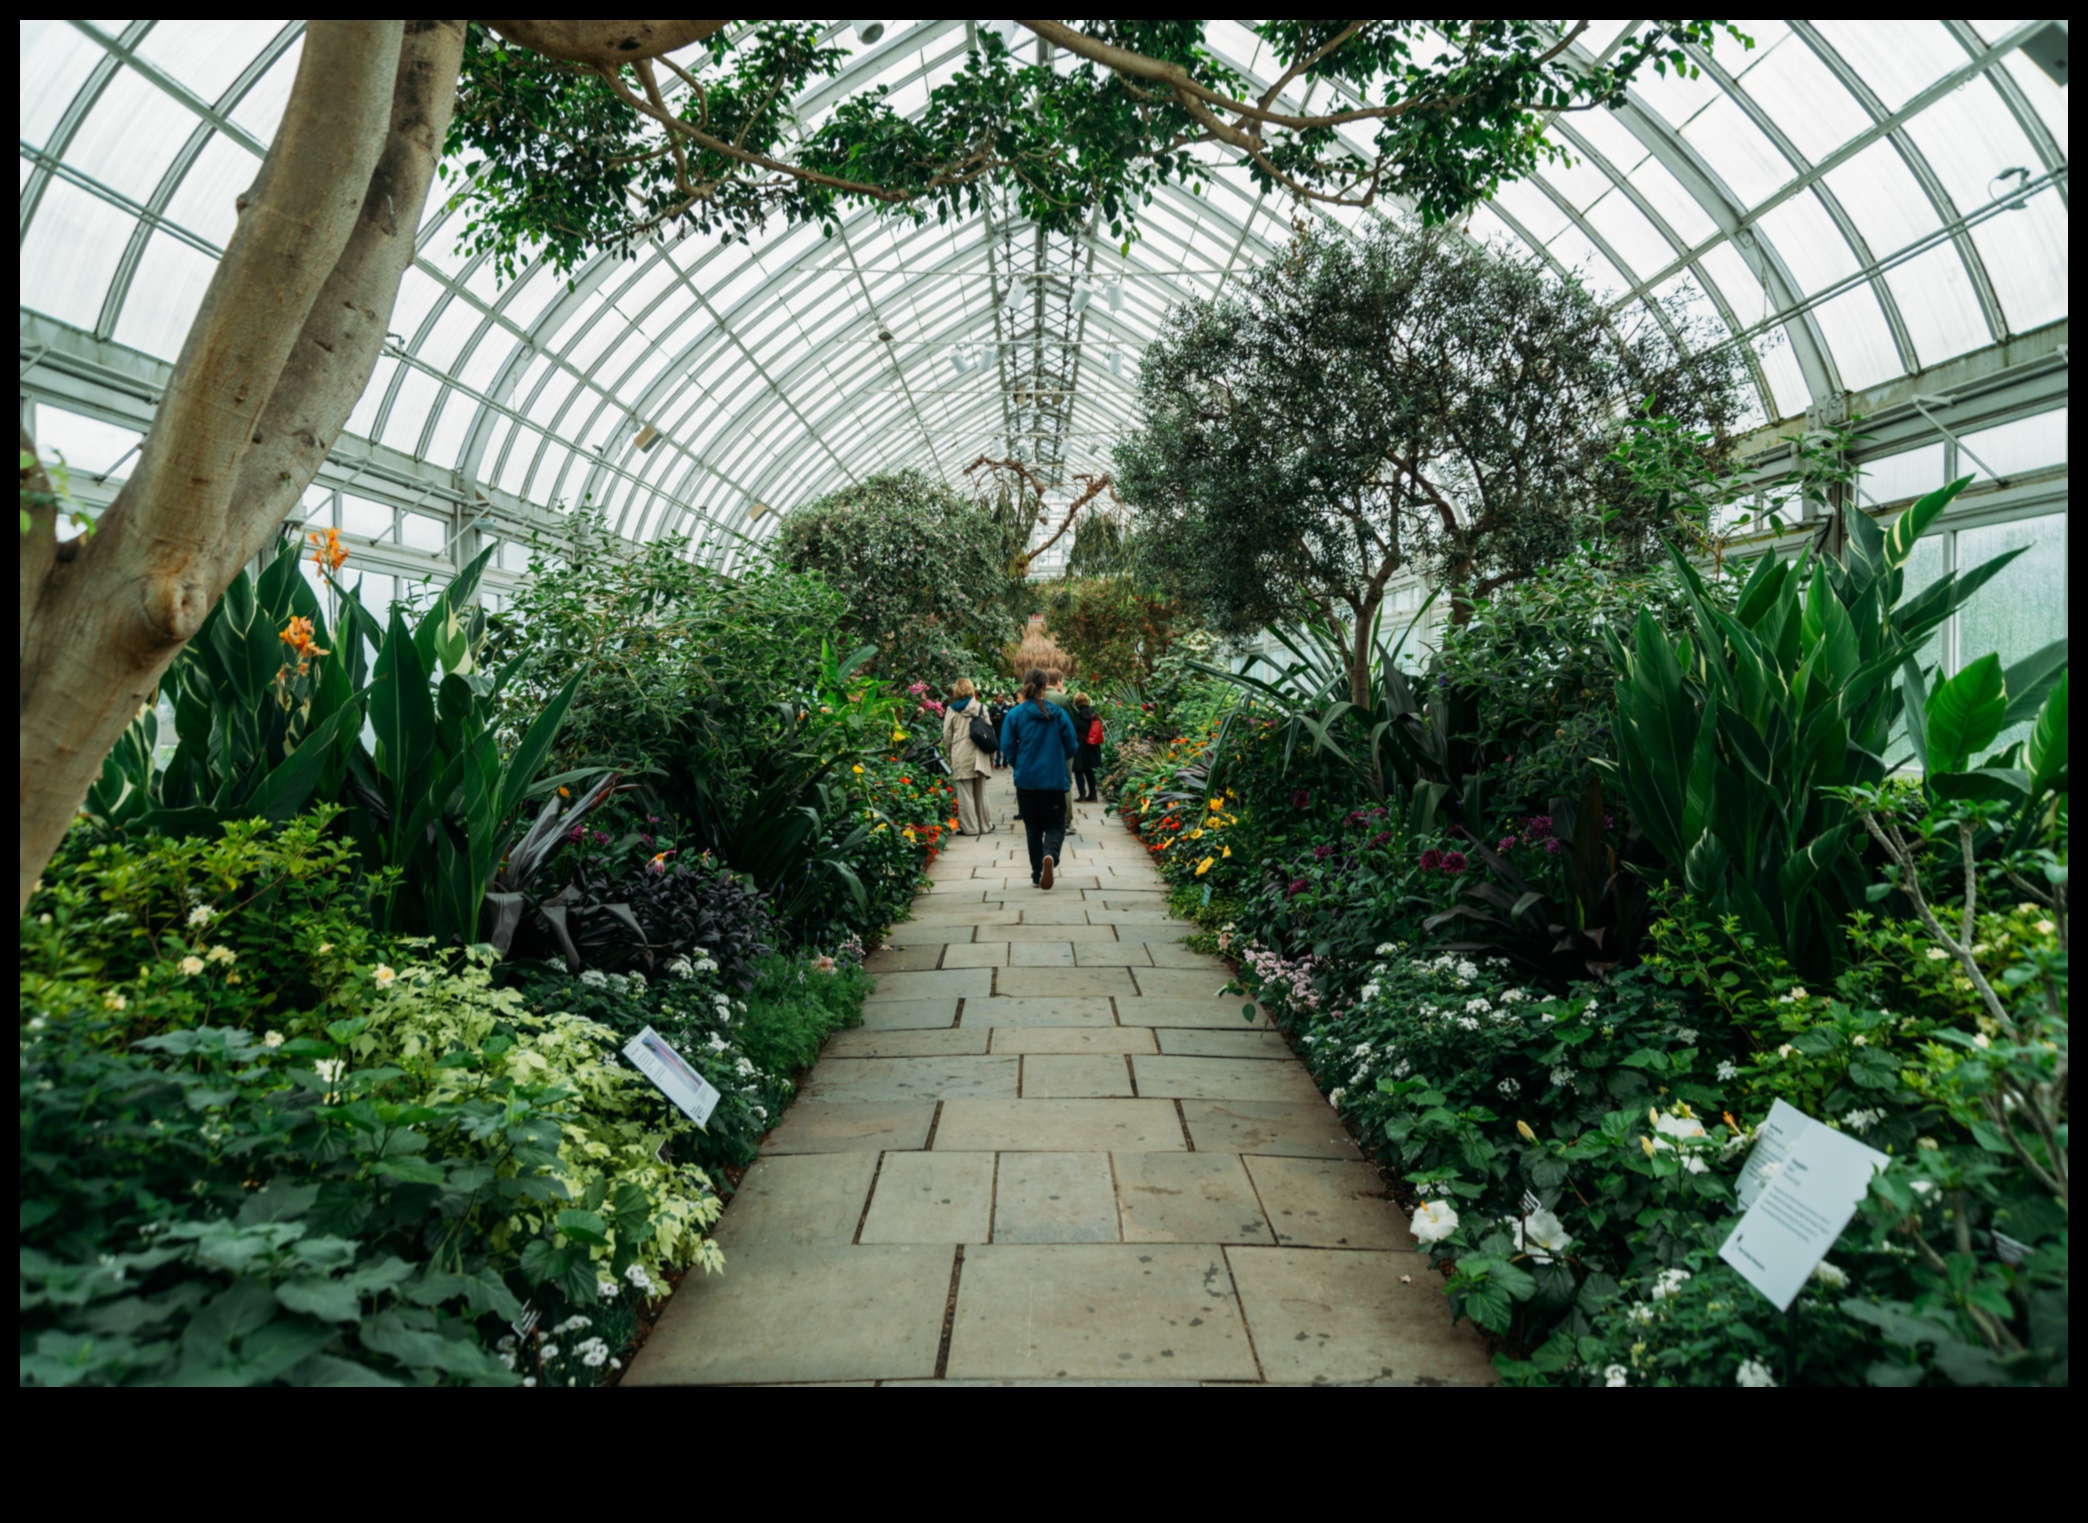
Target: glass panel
(261,109)
(165,292)
(1910,473)
(1883,199)
(1811,245)
(71,253)
(1858,338)
(419,532)
(2024,608)
(1737,151)
(1898,59)
(205,202)
(131,136)
(206,56)
(55,63)
(88,446)
(365,519)
(2024,252)
(2027,444)
(1801,95)
(410,409)
(2045,98)
(1936,299)
(1969,138)
(1637,241)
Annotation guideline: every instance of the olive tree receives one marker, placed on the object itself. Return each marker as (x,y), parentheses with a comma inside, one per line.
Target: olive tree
(1400,400)
(564,142)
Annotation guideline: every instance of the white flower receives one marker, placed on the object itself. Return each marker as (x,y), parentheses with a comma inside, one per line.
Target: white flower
(221,955)
(1786,1050)
(1434,1220)
(1370,992)
(190,966)
(384,976)
(760,1114)
(594,978)
(572,1324)
(640,1279)
(637,978)
(606,1289)
(1862,1120)
(1669,1283)
(717,1043)
(721,1002)
(1616,1375)
(706,965)
(680,968)
(1469,1023)
(114,1001)
(1334,1099)
(1362,1050)
(1937,954)
(1684,1128)
(1640,1313)
(548,1351)
(1509,1088)
(1727,1072)
(1752,1373)
(1686,1035)
(330,1069)
(272,1039)
(528,1381)
(2046,928)
(745,1068)
(594,1353)
(1477,1006)
(1981,1040)
(1830,1275)
(1562,1077)
(1541,1234)
(201,915)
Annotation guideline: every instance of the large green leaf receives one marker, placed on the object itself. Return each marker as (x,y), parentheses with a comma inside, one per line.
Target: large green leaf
(402,710)
(1915,522)
(2031,678)
(1965,714)
(285,790)
(2047,751)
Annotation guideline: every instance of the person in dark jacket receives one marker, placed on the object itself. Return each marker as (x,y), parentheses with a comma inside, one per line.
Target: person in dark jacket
(1039,743)
(1086,723)
(997,711)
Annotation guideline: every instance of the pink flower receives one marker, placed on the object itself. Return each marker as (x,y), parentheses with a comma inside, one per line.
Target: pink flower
(1507,844)
(1431,860)
(1453,862)
(1298,886)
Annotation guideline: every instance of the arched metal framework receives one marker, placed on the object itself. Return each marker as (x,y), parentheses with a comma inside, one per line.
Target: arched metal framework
(1877,209)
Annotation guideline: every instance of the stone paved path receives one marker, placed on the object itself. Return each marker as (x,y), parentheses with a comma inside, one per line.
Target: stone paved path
(1053,1153)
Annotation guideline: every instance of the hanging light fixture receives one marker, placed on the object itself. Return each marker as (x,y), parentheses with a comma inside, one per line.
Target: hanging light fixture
(959,362)
(869,33)
(1115,295)
(1083,293)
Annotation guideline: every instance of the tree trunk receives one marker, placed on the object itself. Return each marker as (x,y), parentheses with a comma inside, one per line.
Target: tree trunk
(287,336)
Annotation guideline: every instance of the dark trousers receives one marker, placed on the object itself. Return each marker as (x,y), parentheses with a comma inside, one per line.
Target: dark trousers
(1084,779)
(1044,821)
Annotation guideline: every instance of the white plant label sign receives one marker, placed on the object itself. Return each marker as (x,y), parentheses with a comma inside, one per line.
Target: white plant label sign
(1808,1184)
(692,1094)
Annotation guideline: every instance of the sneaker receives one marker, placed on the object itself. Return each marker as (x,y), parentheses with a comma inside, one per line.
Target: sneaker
(1044,879)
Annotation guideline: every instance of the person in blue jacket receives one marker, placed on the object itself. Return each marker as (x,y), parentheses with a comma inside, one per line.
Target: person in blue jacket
(1038,741)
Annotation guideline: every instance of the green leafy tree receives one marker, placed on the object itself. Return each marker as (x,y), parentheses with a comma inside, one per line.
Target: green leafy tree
(920,566)
(1362,407)
(1115,625)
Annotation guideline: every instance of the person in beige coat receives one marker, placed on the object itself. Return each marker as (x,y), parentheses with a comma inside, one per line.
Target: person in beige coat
(969,766)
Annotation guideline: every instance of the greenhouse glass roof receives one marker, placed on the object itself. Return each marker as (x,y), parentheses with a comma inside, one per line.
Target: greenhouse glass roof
(1857,201)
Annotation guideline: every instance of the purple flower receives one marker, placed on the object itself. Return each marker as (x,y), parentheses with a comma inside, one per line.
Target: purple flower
(1380,838)
(1431,859)
(1302,799)
(1453,862)
(601,838)
(1298,886)
(1356,817)
(1552,847)
(1507,844)
(1322,851)
(577,834)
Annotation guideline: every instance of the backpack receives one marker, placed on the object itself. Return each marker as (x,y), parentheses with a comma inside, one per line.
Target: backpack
(982,734)
(1094,734)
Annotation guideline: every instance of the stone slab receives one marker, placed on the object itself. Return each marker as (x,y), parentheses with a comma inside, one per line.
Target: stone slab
(1044,954)
(934,1043)
(799,1314)
(1039,1012)
(802,1198)
(1182,1078)
(826,1126)
(1213,1014)
(1070,931)
(1072,1039)
(1328,1317)
(909,1014)
(1188,1198)
(1261,1126)
(1172,983)
(1131,918)
(932,1198)
(1074,1076)
(1110,954)
(1248,1042)
(1067,983)
(1100,1312)
(961,983)
(1042,912)
(963,915)
(1060,1126)
(979,954)
(914,959)
(913,933)
(1054,1198)
(1172,954)
(875,1080)
(1329,1203)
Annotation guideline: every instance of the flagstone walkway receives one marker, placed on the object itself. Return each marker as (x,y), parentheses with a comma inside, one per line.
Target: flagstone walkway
(1053,1153)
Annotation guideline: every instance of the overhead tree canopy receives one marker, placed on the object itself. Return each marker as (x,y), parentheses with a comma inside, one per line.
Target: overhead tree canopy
(1364,406)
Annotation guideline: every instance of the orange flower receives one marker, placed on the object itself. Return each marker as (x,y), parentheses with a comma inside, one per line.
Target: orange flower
(328,553)
(298,635)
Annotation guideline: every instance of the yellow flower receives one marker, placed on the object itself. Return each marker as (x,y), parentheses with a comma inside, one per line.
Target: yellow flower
(1523,1129)
(1227,852)
(1646,1144)
(859,768)
(1216,805)
(1204,866)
